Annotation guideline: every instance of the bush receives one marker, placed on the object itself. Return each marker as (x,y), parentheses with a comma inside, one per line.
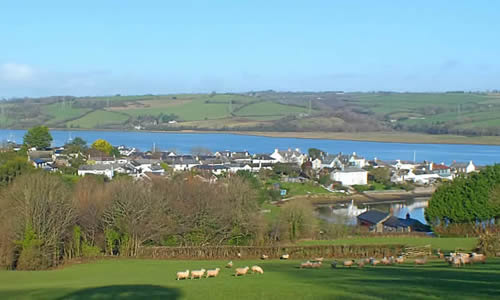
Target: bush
(489,243)
(90,251)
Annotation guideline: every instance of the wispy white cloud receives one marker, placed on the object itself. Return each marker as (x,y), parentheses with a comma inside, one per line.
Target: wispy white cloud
(16,72)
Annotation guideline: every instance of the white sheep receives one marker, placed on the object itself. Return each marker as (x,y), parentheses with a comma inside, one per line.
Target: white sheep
(229,264)
(478,258)
(241,271)
(285,256)
(183,275)
(257,269)
(197,273)
(264,257)
(213,273)
(306,264)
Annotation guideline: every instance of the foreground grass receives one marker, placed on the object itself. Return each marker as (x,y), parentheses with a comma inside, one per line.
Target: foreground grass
(445,244)
(154,279)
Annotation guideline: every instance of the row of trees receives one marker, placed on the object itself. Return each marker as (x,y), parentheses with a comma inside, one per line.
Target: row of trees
(45,220)
(467,200)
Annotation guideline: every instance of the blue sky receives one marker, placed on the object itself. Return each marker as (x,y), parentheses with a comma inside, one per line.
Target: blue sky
(136,47)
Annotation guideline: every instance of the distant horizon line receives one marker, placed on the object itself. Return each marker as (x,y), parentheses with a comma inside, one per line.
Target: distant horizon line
(489,91)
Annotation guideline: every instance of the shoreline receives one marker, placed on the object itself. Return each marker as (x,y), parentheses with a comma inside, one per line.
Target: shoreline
(379,137)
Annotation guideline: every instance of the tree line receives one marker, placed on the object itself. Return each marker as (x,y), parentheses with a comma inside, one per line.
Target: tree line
(473,199)
(45,220)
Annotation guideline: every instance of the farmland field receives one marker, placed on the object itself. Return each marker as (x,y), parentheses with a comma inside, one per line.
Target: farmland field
(155,279)
(362,116)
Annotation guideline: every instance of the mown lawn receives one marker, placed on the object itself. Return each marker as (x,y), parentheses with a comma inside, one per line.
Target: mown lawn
(445,244)
(154,279)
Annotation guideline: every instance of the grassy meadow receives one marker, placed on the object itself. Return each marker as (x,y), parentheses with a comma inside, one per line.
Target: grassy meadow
(155,279)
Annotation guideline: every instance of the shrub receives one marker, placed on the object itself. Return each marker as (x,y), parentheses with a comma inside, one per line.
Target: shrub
(89,251)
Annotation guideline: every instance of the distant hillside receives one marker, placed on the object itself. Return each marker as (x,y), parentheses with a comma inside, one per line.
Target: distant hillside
(443,113)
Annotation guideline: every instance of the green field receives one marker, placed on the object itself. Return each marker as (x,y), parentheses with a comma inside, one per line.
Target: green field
(155,279)
(445,244)
(60,112)
(309,113)
(98,119)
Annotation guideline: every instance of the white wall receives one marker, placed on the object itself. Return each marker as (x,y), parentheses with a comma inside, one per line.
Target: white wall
(350,178)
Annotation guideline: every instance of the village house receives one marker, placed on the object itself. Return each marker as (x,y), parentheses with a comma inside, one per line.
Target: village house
(357,161)
(263,158)
(378,221)
(404,165)
(350,176)
(40,159)
(100,169)
(440,169)
(462,167)
(289,156)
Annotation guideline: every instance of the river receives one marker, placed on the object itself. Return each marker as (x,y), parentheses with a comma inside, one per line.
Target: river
(184,142)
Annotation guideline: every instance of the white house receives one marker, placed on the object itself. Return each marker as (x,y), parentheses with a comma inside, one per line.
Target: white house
(101,169)
(463,167)
(289,156)
(424,178)
(350,176)
(404,165)
(357,161)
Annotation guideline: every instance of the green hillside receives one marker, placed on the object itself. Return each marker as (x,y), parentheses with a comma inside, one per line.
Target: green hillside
(436,113)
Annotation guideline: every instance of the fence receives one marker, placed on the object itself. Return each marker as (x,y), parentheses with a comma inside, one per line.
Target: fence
(299,252)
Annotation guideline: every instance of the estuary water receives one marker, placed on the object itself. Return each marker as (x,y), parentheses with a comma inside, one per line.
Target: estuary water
(184,142)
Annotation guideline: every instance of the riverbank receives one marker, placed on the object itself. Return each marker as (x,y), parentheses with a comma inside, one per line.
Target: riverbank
(383,137)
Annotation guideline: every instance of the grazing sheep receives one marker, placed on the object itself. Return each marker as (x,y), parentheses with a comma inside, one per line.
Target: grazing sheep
(197,273)
(306,264)
(478,258)
(316,265)
(455,261)
(465,260)
(420,261)
(212,273)
(374,262)
(319,259)
(285,256)
(183,275)
(439,253)
(229,264)
(400,259)
(385,261)
(241,271)
(367,260)
(264,257)
(257,269)
(239,255)
(348,263)
(361,264)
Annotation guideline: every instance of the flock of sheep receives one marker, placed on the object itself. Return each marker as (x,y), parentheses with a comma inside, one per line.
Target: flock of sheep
(213,273)
(455,259)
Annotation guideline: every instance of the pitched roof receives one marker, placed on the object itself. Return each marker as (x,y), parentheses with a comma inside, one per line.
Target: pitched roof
(373,216)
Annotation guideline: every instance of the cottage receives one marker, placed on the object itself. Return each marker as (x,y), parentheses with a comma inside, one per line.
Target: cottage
(350,176)
(440,169)
(463,167)
(378,221)
(289,156)
(40,159)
